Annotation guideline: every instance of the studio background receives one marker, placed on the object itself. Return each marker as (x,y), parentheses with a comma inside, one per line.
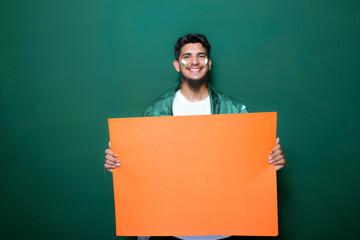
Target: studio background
(67,66)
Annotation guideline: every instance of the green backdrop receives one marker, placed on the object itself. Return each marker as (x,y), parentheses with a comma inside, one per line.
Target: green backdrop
(66,66)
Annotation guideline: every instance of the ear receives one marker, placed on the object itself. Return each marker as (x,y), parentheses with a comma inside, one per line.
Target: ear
(209,64)
(176,65)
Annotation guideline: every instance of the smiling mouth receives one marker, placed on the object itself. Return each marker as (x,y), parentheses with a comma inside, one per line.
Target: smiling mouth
(194,70)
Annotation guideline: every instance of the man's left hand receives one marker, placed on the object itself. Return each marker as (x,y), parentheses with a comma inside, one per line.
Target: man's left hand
(277,157)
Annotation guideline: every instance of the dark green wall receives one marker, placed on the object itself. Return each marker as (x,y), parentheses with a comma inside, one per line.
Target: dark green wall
(66,66)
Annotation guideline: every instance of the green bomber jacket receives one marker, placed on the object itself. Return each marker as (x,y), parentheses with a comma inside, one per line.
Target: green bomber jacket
(220,104)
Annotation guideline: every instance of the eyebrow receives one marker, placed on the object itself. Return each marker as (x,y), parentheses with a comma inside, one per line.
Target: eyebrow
(199,53)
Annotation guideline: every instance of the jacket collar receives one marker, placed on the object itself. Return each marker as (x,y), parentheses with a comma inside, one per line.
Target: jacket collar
(214,99)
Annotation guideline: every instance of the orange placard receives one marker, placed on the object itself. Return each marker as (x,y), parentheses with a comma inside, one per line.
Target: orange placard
(195,175)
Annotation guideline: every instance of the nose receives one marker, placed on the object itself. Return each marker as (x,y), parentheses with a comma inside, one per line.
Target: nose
(195,61)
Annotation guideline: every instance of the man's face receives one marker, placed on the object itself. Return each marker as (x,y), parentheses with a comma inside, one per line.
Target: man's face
(194,63)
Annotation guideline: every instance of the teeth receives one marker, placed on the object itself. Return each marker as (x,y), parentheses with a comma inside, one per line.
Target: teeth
(194,70)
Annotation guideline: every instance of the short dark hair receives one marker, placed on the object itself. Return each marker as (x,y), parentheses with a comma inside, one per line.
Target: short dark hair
(191,38)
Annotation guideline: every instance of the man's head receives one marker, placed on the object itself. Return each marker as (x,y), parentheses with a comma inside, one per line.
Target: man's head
(191,38)
(192,59)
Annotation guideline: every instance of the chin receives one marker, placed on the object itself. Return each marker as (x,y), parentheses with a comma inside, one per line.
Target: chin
(196,84)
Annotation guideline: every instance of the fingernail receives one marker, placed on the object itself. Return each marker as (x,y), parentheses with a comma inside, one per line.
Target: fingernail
(118,164)
(270,158)
(117,161)
(115,155)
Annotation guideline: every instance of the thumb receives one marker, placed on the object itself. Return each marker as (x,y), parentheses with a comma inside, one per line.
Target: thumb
(109,144)
(277,140)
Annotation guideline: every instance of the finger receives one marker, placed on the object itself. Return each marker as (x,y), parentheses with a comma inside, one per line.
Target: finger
(109,152)
(276,153)
(109,144)
(277,146)
(107,167)
(278,167)
(111,159)
(277,140)
(280,161)
(110,165)
(110,162)
(277,158)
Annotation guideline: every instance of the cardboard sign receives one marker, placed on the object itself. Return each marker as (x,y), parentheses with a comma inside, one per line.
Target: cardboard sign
(195,175)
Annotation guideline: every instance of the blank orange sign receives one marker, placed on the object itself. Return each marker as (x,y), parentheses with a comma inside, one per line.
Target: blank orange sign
(195,175)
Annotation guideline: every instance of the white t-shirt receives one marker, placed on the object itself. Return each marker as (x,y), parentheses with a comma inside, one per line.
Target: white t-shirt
(183,107)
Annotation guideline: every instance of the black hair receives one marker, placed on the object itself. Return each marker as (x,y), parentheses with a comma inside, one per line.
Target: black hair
(192,38)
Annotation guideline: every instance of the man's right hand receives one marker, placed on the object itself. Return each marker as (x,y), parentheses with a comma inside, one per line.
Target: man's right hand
(111,160)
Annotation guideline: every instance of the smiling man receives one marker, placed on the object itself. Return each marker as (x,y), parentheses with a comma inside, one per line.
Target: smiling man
(195,96)
(194,66)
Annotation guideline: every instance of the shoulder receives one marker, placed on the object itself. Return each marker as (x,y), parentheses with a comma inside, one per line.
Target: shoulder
(161,106)
(229,104)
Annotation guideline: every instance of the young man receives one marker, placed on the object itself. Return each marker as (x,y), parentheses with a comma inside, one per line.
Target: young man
(194,96)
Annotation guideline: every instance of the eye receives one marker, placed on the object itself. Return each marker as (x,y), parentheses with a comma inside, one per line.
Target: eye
(186,57)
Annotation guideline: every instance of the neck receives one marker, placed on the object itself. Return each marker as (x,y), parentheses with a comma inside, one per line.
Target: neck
(193,96)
